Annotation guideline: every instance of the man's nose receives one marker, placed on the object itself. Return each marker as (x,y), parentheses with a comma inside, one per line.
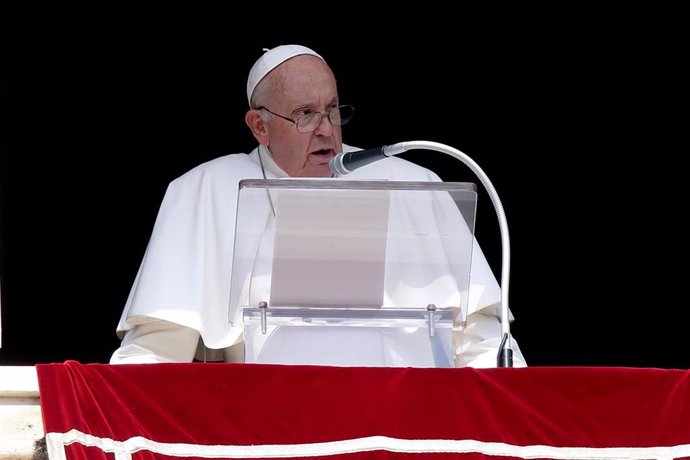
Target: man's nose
(325,127)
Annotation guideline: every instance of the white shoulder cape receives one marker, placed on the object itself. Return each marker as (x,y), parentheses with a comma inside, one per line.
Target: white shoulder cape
(185,274)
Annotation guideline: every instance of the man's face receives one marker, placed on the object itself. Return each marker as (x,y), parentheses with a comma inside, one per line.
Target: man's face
(304,84)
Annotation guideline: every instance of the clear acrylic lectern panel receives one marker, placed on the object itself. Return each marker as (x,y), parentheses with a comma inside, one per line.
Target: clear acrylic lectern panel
(351,272)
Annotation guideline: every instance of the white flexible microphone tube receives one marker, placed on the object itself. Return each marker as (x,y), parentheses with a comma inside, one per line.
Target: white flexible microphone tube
(344,163)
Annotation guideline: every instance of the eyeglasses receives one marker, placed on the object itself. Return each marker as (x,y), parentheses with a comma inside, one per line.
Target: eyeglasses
(307,120)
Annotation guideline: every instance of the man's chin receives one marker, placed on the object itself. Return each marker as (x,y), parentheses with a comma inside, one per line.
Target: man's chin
(322,170)
(320,167)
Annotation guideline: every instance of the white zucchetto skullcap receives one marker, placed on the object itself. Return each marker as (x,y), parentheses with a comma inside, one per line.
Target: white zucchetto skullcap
(270,60)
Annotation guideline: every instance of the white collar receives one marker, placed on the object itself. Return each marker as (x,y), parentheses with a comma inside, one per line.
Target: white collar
(270,166)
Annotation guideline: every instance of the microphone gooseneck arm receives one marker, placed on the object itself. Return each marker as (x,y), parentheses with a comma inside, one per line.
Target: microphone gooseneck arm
(344,163)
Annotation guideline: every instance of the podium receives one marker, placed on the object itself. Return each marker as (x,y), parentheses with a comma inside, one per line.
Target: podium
(352,272)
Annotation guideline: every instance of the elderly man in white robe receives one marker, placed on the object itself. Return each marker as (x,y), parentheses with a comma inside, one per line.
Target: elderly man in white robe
(179,307)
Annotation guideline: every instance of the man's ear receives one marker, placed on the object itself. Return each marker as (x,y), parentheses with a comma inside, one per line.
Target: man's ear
(257,125)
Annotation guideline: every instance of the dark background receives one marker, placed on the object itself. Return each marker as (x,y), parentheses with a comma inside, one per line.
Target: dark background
(575,118)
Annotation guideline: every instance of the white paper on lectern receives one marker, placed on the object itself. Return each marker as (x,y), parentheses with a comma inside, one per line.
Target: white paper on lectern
(329,248)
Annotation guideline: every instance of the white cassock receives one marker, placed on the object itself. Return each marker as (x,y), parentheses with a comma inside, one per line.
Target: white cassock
(185,277)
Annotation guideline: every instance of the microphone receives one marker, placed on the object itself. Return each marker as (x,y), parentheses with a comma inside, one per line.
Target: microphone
(346,162)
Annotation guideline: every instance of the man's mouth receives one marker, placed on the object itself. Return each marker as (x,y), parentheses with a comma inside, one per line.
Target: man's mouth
(323,153)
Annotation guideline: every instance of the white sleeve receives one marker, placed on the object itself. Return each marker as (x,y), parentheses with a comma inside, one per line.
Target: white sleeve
(477,345)
(157,342)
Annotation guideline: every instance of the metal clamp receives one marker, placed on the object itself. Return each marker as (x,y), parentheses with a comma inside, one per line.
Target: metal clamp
(263,306)
(431,308)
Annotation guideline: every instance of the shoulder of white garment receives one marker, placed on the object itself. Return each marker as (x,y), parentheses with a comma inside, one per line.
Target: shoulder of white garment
(212,186)
(236,165)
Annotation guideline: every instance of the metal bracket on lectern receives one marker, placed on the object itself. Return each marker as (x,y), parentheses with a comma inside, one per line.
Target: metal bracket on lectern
(377,317)
(263,306)
(431,308)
